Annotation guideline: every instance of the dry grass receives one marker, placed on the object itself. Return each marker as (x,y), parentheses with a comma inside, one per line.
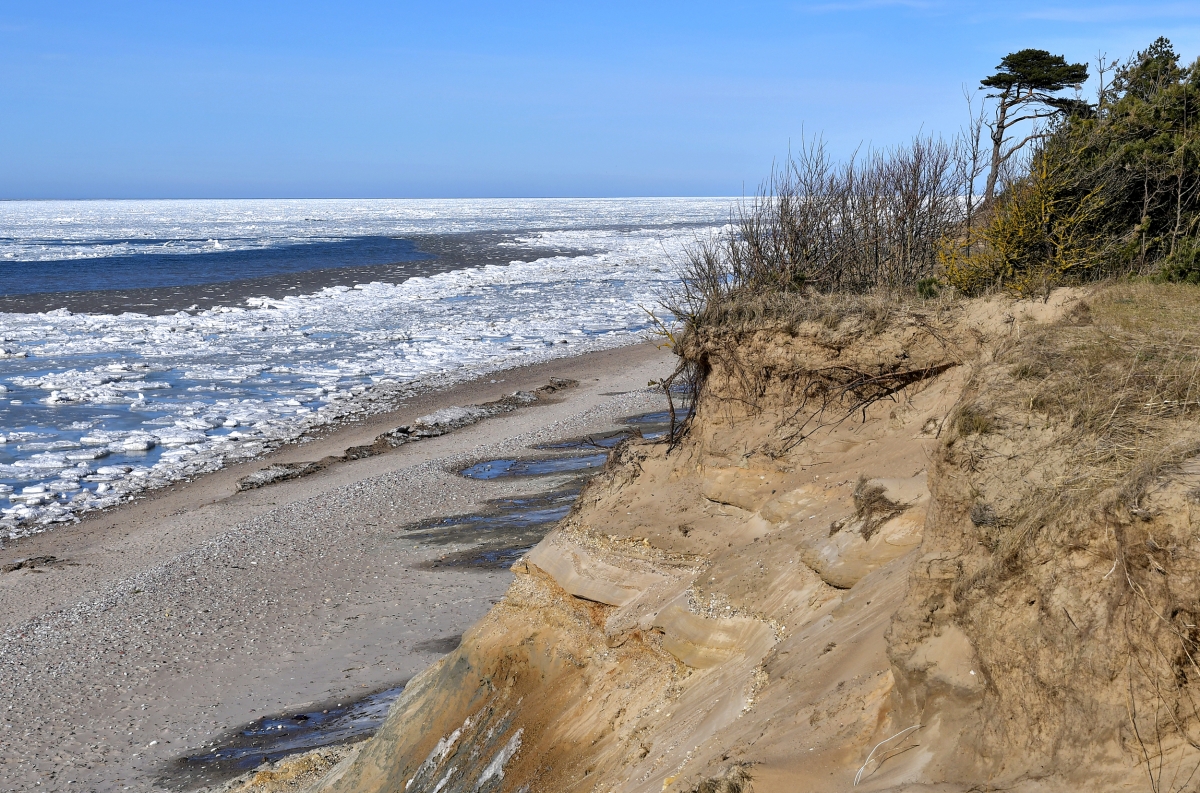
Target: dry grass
(973,421)
(982,514)
(1073,433)
(1117,387)
(1121,383)
(735,779)
(787,312)
(871,507)
(845,317)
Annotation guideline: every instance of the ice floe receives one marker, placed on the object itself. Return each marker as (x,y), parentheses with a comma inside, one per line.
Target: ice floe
(162,398)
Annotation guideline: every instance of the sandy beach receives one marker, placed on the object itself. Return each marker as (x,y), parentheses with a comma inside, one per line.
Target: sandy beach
(162,624)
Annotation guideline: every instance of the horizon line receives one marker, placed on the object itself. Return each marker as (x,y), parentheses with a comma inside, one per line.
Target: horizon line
(370,198)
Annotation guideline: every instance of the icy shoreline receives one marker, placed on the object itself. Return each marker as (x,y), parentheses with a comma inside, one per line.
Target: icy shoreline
(96,408)
(85,484)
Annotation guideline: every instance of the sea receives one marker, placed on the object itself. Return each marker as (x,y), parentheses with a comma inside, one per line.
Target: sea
(147,342)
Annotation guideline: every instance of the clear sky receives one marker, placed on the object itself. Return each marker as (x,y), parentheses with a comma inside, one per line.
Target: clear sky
(467,99)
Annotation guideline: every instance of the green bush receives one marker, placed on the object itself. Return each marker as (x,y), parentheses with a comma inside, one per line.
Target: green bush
(929,288)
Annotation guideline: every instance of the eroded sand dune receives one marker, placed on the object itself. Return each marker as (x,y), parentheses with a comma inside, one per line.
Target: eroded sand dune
(809,592)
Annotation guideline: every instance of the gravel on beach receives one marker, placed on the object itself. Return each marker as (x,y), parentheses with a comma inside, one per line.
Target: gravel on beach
(316,595)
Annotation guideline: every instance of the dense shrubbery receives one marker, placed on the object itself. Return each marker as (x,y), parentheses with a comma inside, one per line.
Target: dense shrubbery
(1113,189)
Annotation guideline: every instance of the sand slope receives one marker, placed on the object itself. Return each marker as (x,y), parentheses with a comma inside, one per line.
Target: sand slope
(799,593)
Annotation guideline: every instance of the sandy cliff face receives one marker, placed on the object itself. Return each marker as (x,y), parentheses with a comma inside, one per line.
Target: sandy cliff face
(835,579)
(1060,562)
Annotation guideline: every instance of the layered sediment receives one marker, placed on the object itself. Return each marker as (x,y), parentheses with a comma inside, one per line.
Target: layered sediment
(882,555)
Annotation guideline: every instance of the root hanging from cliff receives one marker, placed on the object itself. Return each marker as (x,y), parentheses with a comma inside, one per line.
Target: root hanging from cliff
(833,356)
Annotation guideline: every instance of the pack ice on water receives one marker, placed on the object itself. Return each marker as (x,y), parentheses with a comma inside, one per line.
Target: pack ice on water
(95,408)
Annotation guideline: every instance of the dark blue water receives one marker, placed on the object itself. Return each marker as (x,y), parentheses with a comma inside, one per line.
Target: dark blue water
(505,517)
(149,270)
(659,417)
(494,469)
(275,737)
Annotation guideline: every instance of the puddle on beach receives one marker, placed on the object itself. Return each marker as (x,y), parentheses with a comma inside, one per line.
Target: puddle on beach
(498,536)
(494,469)
(648,425)
(503,532)
(275,737)
(658,417)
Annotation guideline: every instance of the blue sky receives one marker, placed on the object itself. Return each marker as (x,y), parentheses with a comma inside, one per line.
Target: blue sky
(466,99)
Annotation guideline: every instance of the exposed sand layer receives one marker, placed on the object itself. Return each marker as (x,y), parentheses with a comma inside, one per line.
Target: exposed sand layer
(835,580)
(161,624)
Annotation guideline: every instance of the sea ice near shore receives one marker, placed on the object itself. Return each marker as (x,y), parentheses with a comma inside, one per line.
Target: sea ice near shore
(96,408)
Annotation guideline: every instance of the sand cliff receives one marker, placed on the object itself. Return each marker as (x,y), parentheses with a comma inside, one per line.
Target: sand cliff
(937,546)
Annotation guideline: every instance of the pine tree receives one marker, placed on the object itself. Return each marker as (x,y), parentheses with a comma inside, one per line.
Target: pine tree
(1025,86)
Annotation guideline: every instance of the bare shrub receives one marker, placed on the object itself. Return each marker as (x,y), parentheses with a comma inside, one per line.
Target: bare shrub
(875,222)
(828,242)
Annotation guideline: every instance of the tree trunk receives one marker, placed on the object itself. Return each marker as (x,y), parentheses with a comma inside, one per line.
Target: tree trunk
(997,135)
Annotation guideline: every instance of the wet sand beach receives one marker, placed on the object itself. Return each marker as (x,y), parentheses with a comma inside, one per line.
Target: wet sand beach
(142,633)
